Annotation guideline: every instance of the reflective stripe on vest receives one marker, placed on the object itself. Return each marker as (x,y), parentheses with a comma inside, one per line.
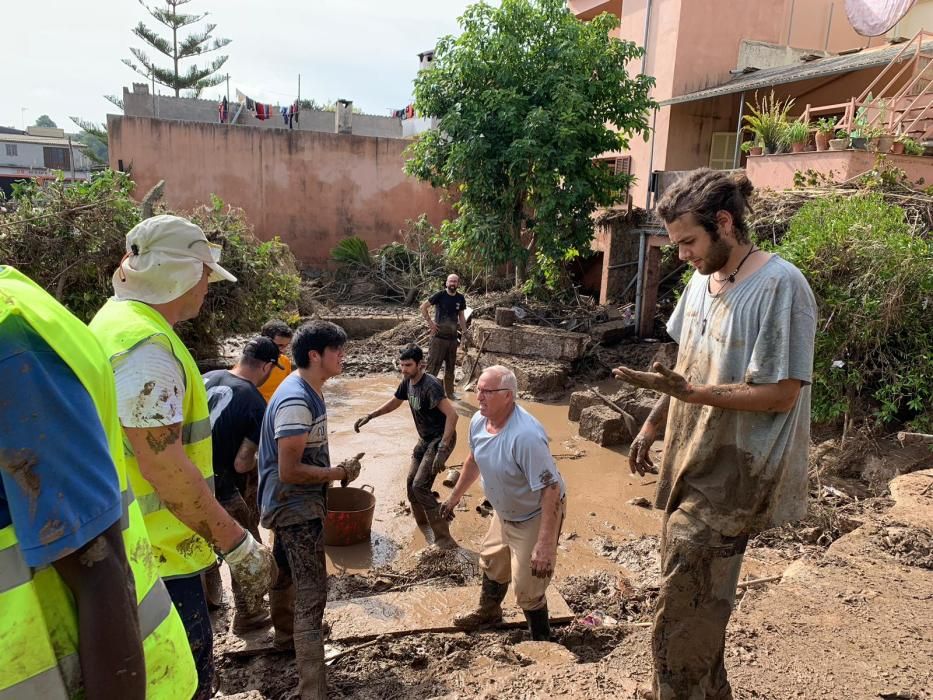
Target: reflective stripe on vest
(38,619)
(122,326)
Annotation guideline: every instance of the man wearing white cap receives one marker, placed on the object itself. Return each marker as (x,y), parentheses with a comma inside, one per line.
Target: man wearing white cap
(161,281)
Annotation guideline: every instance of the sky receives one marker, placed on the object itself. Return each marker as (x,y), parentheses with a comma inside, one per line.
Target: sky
(67,54)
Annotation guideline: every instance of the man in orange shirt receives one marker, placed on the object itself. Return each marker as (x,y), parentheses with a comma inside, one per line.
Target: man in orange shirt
(280,334)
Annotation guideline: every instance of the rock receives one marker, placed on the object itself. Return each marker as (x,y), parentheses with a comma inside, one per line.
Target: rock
(612,332)
(539,378)
(641,502)
(578,401)
(603,426)
(505,317)
(529,341)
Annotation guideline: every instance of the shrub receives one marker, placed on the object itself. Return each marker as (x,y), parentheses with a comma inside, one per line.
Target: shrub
(69,238)
(872,274)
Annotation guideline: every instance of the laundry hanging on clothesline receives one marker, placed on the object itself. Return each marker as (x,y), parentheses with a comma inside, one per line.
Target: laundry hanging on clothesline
(264,111)
(407,112)
(222,111)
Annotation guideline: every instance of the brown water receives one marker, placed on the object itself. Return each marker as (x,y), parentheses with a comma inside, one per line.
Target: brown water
(598,485)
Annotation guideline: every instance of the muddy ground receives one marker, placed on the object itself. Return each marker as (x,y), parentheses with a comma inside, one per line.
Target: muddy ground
(850,616)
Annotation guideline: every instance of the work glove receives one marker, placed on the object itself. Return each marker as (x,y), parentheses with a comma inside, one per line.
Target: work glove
(440,457)
(251,566)
(361,422)
(352,467)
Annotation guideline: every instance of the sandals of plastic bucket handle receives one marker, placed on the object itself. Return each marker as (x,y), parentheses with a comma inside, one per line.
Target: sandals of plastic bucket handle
(367,486)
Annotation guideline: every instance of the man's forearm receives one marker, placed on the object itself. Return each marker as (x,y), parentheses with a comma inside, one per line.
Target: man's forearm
(101,582)
(387,407)
(765,398)
(550,514)
(450,427)
(658,416)
(300,473)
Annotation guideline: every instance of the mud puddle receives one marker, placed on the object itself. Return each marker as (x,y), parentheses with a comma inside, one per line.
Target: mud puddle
(599,484)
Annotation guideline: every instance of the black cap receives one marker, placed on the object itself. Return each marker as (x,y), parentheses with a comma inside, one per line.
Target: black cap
(264,350)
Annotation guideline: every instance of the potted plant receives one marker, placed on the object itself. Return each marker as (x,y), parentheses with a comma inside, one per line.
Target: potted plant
(825,128)
(841,142)
(897,148)
(912,147)
(751,148)
(858,132)
(796,135)
(767,120)
(879,139)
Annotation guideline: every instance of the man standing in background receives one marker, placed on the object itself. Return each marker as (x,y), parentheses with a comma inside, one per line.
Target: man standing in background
(449,306)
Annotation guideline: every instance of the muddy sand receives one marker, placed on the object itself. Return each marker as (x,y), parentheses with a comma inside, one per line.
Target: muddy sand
(850,620)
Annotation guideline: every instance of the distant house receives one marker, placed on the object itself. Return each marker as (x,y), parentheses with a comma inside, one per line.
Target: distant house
(39,153)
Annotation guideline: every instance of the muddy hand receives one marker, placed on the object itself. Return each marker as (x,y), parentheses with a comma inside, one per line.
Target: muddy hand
(361,422)
(447,509)
(440,458)
(661,379)
(352,467)
(543,559)
(639,459)
(251,565)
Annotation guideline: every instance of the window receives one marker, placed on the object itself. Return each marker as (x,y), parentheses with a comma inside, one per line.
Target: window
(722,150)
(11,149)
(56,158)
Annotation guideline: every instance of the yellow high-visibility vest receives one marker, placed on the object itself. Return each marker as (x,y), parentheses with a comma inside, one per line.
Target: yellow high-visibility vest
(38,619)
(121,326)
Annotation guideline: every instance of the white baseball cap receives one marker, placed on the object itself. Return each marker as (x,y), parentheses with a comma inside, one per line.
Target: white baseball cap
(165,257)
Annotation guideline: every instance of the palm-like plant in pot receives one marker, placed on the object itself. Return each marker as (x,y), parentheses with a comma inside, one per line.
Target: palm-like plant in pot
(767,120)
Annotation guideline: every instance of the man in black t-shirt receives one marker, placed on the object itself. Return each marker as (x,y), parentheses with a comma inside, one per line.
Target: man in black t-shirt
(449,306)
(237,408)
(436,422)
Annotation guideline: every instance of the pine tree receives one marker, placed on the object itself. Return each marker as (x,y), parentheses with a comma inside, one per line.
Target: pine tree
(178,49)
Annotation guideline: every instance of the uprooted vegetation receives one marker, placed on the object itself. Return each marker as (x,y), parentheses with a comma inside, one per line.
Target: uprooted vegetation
(70,237)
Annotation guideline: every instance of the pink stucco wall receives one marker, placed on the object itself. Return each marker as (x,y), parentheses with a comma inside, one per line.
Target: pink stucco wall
(310,188)
(777,172)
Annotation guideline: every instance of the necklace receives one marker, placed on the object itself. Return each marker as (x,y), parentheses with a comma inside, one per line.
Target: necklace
(731,278)
(704,314)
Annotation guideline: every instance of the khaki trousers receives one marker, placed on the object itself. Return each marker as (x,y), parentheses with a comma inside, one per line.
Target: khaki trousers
(505,556)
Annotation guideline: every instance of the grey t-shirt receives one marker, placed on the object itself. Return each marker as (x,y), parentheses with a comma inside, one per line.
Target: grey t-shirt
(295,409)
(515,464)
(741,472)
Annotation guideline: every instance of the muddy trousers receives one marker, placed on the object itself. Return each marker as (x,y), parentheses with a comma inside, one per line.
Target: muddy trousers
(699,573)
(443,351)
(238,509)
(421,473)
(187,594)
(299,557)
(505,556)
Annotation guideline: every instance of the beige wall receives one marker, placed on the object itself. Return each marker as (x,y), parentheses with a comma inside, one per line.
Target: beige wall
(312,189)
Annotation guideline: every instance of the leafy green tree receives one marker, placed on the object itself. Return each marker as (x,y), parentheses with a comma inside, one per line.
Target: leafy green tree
(178,49)
(526,97)
(46,121)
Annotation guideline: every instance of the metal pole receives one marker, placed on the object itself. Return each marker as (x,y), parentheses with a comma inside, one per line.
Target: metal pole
(829,26)
(640,274)
(738,132)
(644,43)
(71,157)
(790,21)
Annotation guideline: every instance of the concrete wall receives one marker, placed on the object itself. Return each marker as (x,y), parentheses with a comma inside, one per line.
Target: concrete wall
(777,172)
(310,188)
(139,102)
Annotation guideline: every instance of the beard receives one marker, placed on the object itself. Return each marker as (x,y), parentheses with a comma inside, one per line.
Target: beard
(716,257)
(451,289)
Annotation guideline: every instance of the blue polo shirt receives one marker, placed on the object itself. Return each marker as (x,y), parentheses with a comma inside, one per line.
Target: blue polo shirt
(58,483)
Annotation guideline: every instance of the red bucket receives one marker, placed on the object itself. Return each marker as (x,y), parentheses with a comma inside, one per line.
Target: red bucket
(349,515)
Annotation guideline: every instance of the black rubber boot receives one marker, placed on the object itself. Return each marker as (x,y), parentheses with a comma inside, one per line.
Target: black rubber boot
(489,611)
(538,624)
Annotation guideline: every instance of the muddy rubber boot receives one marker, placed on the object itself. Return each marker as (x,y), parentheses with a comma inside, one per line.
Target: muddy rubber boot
(282,609)
(312,674)
(213,588)
(489,611)
(538,624)
(441,528)
(246,621)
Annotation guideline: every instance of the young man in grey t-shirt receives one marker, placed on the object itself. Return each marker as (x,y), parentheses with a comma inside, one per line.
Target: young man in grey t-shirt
(737,407)
(509,449)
